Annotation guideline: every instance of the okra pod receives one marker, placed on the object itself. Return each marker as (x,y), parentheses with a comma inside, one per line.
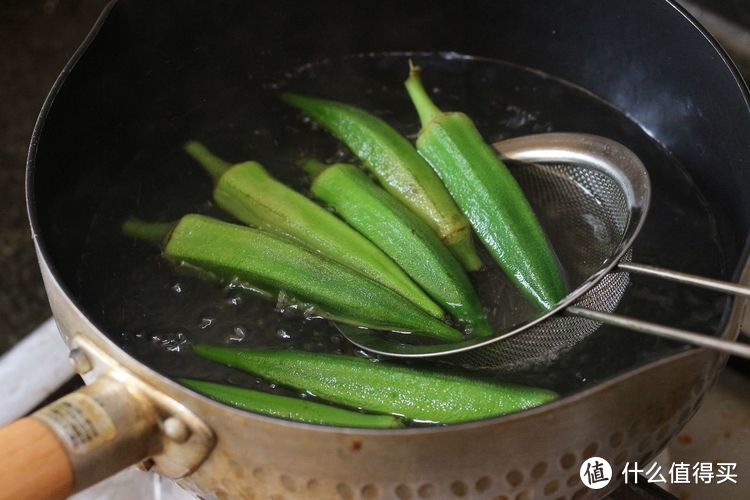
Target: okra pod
(402,236)
(384,387)
(289,408)
(489,196)
(249,193)
(398,167)
(276,264)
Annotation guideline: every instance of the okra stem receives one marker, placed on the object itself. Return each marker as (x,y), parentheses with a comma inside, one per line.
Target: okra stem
(153,232)
(214,165)
(313,167)
(426,109)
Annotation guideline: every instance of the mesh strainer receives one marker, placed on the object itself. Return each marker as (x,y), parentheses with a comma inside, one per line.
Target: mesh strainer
(604,189)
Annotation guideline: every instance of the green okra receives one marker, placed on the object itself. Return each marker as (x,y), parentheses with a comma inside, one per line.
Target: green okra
(402,236)
(248,192)
(289,408)
(398,167)
(384,387)
(489,196)
(276,264)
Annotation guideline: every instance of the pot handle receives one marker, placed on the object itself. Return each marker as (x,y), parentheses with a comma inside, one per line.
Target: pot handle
(33,462)
(76,441)
(116,421)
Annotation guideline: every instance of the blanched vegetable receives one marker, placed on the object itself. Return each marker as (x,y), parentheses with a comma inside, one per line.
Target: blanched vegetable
(403,237)
(276,264)
(249,193)
(398,167)
(489,196)
(417,394)
(290,408)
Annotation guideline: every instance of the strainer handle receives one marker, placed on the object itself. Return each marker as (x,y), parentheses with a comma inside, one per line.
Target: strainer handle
(686,279)
(668,332)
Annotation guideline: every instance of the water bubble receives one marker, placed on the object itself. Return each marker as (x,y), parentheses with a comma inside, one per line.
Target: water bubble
(310,313)
(206,322)
(171,342)
(238,334)
(282,301)
(242,287)
(518,117)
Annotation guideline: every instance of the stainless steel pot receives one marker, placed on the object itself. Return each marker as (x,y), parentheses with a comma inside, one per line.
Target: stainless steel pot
(235,454)
(633,54)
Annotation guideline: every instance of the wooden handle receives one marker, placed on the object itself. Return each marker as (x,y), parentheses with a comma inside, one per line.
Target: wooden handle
(33,462)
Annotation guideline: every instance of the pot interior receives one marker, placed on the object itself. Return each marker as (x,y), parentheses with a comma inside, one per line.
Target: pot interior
(154,77)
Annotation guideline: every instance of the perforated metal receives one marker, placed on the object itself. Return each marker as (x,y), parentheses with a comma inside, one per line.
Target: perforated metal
(592,208)
(591,196)
(551,337)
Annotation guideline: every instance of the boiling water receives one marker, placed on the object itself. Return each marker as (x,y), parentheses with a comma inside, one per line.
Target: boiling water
(156,313)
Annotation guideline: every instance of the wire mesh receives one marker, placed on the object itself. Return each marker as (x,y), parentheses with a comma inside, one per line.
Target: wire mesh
(592,207)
